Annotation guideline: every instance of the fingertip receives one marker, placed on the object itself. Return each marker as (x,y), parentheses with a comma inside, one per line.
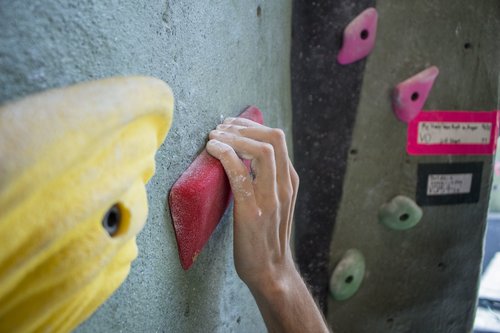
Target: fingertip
(244,122)
(213,134)
(216,148)
(234,168)
(211,142)
(222,127)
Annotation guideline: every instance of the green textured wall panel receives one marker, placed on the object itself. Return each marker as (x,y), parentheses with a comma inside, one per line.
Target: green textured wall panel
(423,279)
(218,57)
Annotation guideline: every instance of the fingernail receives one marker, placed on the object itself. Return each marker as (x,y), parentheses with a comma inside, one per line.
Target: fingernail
(228,120)
(222,126)
(211,144)
(217,132)
(215,144)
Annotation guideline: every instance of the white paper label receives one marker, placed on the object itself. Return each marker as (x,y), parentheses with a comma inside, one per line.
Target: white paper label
(443,184)
(453,133)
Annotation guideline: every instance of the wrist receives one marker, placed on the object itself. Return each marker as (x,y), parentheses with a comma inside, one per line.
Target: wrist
(276,281)
(285,302)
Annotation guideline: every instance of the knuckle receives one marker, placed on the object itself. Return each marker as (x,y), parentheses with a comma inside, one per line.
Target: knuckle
(229,130)
(267,150)
(287,192)
(293,172)
(294,176)
(233,128)
(278,136)
(227,153)
(269,211)
(271,204)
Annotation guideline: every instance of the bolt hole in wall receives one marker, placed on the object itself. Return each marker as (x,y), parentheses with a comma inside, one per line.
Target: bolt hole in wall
(414,96)
(488,309)
(404,217)
(364,34)
(259,11)
(111,220)
(349,279)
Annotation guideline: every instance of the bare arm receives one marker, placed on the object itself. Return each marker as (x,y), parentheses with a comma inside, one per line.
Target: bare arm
(263,215)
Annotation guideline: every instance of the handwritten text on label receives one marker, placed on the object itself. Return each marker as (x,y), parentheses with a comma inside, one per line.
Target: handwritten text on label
(454,133)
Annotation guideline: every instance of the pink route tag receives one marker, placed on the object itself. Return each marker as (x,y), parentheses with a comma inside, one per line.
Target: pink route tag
(453,133)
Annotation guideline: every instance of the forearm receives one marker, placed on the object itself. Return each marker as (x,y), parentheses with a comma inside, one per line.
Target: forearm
(263,215)
(287,306)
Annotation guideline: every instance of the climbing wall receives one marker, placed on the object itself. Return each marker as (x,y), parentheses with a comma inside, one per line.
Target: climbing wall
(325,96)
(424,278)
(218,57)
(416,258)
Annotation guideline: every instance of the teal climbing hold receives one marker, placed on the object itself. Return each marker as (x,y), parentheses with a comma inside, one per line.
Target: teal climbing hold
(348,275)
(401,213)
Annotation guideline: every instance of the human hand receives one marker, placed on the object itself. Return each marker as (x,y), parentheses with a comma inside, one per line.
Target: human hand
(263,201)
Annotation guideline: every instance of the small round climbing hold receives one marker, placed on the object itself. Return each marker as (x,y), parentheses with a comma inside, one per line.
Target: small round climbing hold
(401,213)
(348,275)
(364,34)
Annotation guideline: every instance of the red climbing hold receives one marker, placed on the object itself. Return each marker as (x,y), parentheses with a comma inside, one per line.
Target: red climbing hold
(199,198)
(410,95)
(359,37)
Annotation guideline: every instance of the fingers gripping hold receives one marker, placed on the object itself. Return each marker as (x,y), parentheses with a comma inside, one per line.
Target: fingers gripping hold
(263,225)
(276,138)
(273,141)
(236,171)
(242,122)
(260,153)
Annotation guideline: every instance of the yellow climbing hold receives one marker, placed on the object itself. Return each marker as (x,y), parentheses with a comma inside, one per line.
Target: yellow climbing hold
(73,166)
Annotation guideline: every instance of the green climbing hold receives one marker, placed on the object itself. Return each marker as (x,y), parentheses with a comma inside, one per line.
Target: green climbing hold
(348,275)
(400,213)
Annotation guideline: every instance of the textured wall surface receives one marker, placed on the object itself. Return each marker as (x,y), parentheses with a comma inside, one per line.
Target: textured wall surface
(325,96)
(218,56)
(422,279)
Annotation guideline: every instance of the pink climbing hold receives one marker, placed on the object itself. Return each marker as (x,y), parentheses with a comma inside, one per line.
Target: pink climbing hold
(359,37)
(410,95)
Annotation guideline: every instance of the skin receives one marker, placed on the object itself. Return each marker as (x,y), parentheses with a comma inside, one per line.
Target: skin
(263,213)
